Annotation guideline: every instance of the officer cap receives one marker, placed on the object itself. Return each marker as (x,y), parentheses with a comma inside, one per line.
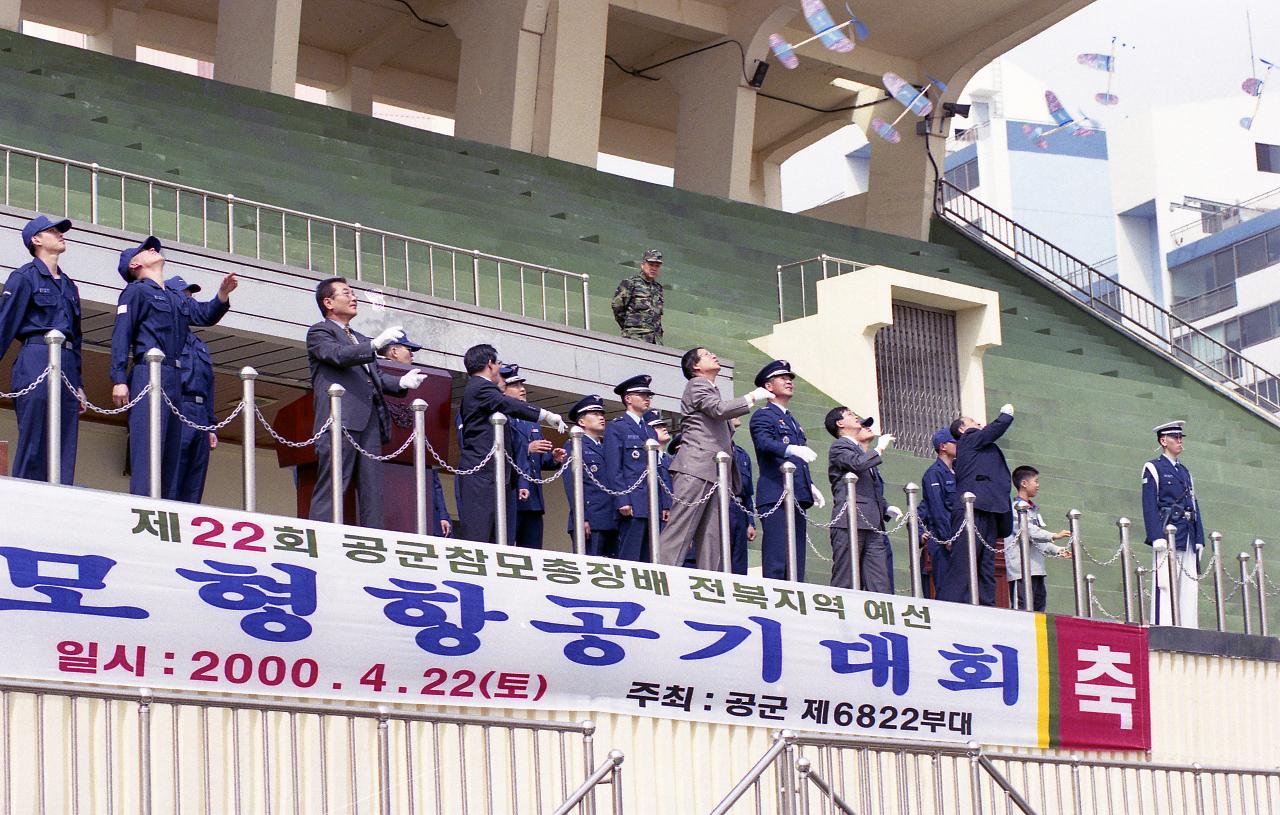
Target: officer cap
(778,367)
(176,283)
(509,373)
(654,419)
(636,384)
(651,256)
(1174,428)
(587,404)
(39,224)
(941,437)
(152,242)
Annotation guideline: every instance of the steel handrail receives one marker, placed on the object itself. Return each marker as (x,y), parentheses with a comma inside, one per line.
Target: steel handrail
(823,260)
(611,769)
(1169,343)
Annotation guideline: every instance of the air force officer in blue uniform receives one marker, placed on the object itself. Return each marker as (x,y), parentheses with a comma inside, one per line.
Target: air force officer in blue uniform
(626,462)
(196,405)
(148,316)
(778,437)
(1169,498)
(600,524)
(38,298)
(534,455)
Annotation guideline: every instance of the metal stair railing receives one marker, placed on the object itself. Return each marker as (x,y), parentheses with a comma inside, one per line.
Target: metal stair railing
(239,226)
(1147,322)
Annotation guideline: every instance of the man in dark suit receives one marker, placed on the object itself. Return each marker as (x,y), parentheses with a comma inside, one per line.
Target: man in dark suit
(344,357)
(981,470)
(852,453)
(481,399)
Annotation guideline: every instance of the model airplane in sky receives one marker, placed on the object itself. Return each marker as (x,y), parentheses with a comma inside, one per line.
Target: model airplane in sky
(1062,121)
(1254,86)
(825,28)
(913,100)
(1107,63)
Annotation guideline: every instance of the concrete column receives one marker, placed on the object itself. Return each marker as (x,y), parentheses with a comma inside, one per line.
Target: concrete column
(715,124)
(10,14)
(498,71)
(357,94)
(120,36)
(257,44)
(571,81)
(900,194)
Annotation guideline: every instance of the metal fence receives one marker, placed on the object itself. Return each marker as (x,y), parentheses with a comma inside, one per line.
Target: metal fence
(797,283)
(221,221)
(89,749)
(1142,318)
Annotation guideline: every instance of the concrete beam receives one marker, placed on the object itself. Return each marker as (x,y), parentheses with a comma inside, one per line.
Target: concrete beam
(10,14)
(257,44)
(119,37)
(570,82)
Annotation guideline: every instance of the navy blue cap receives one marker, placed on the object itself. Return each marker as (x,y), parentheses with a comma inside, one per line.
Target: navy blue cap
(407,343)
(942,437)
(39,224)
(1170,429)
(586,404)
(636,384)
(510,374)
(152,242)
(778,367)
(179,285)
(653,418)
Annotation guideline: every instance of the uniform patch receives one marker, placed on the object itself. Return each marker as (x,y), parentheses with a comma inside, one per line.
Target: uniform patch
(123,308)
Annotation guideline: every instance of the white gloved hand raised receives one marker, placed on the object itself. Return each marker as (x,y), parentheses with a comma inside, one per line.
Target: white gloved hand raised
(758,397)
(893,512)
(1007,408)
(801,452)
(818,500)
(412,379)
(553,420)
(388,336)
(884,442)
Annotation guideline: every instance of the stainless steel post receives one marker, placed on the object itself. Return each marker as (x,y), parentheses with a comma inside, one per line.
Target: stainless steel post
(1142,610)
(155,408)
(384,764)
(1077,564)
(971,533)
(335,449)
(1244,592)
(1260,583)
(1220,612)
(55,339)
(579,505)
(1126,569)
(655,512)
(913,538)
(499,422)
(615,774)
(422,490)
(789,497)
(1089,581)
(1024,552)
(723,460)
(247,422)
(1172,566)
(144,752)
(851,510)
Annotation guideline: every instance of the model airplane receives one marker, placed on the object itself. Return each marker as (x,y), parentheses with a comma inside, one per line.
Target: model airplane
(1107,63)
(1062,120)
(824,28)
(1254,86)
(913,101)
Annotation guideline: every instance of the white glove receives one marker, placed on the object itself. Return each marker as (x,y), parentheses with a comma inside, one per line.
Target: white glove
(388,336)
(412,379)
(884,442)
(893,512)
(1007,409)
(758,397)
(801,452)
(818,500)
(553,420)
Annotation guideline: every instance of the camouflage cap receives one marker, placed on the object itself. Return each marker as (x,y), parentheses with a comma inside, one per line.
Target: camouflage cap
(651,256)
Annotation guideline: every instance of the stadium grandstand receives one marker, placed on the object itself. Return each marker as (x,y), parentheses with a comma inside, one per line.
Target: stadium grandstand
(231,654)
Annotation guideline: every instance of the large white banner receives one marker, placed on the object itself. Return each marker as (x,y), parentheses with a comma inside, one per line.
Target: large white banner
(126,590)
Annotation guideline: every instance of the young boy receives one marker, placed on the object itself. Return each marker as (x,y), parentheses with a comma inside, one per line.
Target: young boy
(1026,480)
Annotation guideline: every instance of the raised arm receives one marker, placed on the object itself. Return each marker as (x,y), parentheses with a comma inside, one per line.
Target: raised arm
(324,344)
(705,398)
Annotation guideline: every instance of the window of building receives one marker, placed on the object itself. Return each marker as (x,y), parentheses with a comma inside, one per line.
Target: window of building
(1192,279)
(1251,255)
(1268,157)
(918,369)
(964,176)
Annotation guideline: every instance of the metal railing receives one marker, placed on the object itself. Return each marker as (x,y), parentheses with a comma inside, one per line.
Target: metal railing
(327,246)
(70,748)
(797,283)
(1210,223)
(1143,319)
(1210,302)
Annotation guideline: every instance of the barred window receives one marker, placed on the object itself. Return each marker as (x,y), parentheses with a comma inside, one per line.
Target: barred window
(919,375)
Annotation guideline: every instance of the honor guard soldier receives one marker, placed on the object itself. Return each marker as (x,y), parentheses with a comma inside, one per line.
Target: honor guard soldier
(778,437)
(1169,499)
(481,398)
(600,524)
(39,298)
(196,405)
(148,316)
(852,453)
(742,524)
(626,462)
(534,455)
(937,504)
(637,302)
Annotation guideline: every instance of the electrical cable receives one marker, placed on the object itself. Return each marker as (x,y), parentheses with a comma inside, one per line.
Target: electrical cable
(815,109)
(420,18)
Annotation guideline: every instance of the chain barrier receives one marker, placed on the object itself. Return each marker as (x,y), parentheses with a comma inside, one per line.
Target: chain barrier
(286,442)
(213,428)
(1089,557)
(564,468)
(444,465)
(695,503)
(759,516)
(621,493)
(835,519)
(34,384)
(1097,606)
(84,402)
(374,456)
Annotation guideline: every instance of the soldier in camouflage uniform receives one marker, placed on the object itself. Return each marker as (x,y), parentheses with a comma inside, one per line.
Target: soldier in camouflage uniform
(637,304)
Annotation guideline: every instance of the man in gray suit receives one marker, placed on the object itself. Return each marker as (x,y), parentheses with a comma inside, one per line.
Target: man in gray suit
(706,431)
(344,357)
(850,454)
